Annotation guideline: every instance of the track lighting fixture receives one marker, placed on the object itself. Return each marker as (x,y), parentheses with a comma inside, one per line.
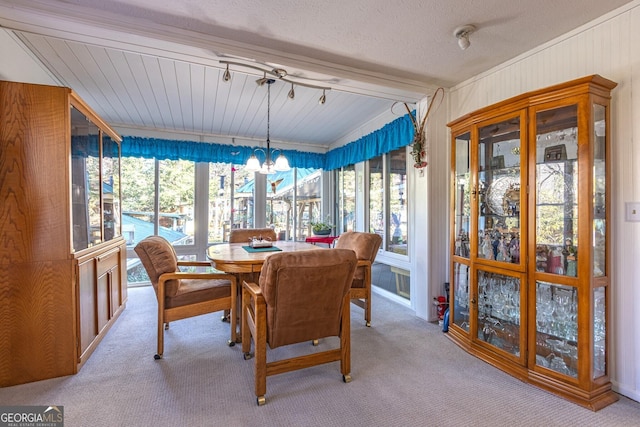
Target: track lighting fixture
(279,73)
(291,94)
(323,98)
(264,80)
(226,76)
(462,34)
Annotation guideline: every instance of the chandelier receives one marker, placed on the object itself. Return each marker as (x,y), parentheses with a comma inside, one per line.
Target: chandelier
(274,74)
(269,166)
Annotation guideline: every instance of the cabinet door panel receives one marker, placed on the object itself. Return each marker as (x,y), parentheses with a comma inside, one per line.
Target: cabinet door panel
(461,296)
(85,177)
(114,287)
(111,187)
(557,328)
(87,304)
(462,195)
(499,212)
(556,189)
(102,301)
(500,299)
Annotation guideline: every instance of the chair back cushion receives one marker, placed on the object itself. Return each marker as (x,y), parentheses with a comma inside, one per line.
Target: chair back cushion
(304,293)
(158,257)
(242,235)
(365,245)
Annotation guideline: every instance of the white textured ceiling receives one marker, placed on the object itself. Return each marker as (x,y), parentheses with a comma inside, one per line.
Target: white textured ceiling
(154,64)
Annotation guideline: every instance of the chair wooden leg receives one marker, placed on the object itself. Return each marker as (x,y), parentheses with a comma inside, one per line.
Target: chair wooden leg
(345,340)
(161,329)
(161,322)
(367,302)
(367,311)
(245,332)
(233,315)
(260,340)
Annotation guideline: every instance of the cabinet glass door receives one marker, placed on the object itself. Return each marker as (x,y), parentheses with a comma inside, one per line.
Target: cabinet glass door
(498,315)
(111,187)
(557,328)
(499,214)
(461,288)
(556,239)
(599,227)
(557,191)
(85,182)
(599,332)
(462,191)
(599,191)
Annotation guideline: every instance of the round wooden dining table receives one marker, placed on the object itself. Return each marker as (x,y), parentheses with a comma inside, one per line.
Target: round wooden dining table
(235,258)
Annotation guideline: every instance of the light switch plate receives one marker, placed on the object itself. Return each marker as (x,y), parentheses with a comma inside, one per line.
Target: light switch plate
(632,211)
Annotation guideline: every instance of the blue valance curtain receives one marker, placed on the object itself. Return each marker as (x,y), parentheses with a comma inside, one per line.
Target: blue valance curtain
(165,149)
(390,137)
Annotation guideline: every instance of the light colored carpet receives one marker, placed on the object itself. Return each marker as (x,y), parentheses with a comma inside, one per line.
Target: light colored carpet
(405,373)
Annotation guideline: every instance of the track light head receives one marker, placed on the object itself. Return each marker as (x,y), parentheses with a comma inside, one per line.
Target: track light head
(323,98)
(226,76)
(264,79)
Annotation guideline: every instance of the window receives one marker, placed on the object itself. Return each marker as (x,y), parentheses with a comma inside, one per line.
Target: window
(383,194)
(138,201)
(346,196)
(177,191)
(396,230)
(388,217)
(194,205)
(376,197)
(388,200)
(230,200)
(293,202)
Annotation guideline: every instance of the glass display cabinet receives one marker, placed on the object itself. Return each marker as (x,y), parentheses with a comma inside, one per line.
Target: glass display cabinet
(63,259)
(529,238)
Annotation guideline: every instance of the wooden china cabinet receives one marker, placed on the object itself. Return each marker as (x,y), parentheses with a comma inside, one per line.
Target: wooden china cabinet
(530,238)
(62,257)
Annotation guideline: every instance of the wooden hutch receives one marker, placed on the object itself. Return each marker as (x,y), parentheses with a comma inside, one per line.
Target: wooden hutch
(62,257)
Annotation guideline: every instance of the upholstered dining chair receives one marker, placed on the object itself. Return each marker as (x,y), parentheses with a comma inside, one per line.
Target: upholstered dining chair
(242,235)
(366,246)
(184,294)
(301,296)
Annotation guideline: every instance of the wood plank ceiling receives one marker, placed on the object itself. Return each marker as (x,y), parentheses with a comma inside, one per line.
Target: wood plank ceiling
(155,65)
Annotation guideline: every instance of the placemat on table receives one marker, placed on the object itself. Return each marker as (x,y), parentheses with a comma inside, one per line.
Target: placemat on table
(269,249)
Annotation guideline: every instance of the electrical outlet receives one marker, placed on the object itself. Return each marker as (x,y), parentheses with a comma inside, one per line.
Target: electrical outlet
(632,211)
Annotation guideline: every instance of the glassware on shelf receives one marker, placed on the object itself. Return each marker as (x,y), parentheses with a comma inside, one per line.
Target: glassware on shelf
(461,296)
(599,332)
(557,327)
(463,303)
(499,310)
(503,196)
